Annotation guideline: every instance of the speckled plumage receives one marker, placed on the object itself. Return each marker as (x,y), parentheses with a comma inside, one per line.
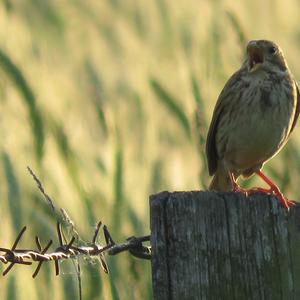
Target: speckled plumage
(253,117)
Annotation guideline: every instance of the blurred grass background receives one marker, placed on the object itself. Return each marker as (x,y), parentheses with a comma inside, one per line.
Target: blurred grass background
(109,101)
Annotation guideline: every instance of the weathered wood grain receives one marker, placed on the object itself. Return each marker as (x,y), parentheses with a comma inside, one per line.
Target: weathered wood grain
(208,245)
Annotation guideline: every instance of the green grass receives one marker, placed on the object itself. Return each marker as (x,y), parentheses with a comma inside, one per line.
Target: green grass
(16,76)
(110,101)
(172,105)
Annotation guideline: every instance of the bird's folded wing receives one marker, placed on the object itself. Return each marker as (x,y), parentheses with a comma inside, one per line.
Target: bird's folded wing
(225,103)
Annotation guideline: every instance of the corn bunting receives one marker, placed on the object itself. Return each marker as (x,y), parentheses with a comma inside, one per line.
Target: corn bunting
(253,118)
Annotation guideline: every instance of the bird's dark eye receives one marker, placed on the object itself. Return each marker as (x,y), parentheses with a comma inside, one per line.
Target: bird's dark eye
(272,50)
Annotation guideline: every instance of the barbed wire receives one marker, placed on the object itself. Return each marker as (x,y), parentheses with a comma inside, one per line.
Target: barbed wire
(15,256)
(67,250)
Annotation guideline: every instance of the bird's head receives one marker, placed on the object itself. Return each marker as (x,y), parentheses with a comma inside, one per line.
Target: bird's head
(263,54)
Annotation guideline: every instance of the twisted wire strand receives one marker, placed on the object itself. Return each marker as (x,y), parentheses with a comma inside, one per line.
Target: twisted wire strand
(13,256)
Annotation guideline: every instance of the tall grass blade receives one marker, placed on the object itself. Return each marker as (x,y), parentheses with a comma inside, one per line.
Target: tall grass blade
(139,22)
(100,163)
(66,152)
(46,14)
(95,89)
(14,195)
(45,279)
(236,25)
(200,118)
(201,126)
(138,226)
(172,105)
(9,7)
(113,289)
(186,38)
(12,289)
(115,4)
(196,91)
(118,192)
(164,13)
(70,287)
(157,176)
(70,161)
(216,40)
(149,285)
(112,38)
(17,77)
(93,286)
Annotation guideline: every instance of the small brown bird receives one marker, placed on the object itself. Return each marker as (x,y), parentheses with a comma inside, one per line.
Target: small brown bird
(253,118)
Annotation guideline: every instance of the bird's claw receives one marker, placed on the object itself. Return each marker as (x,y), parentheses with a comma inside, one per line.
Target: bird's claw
(238,189)
(285,201)
(259,190)
(276,192)
(271,191)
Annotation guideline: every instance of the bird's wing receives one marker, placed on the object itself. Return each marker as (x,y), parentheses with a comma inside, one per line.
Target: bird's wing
(297,108)
(224,103)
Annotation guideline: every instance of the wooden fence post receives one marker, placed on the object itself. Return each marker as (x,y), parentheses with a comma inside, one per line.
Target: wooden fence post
(208,245)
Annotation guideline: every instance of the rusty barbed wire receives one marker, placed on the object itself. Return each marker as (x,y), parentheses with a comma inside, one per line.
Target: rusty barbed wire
(15,256)
(67,250)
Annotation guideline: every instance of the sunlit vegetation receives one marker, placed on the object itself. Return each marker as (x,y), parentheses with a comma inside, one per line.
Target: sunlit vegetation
(108,102)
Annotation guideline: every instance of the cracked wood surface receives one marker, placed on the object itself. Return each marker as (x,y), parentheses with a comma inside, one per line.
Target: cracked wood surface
(208,245)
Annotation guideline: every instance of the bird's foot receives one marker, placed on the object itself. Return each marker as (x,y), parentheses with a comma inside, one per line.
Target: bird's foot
(284,200)
(259,190)
(237,189)
(274,190)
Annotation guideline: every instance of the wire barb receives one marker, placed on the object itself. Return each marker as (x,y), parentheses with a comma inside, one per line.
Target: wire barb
(67,250)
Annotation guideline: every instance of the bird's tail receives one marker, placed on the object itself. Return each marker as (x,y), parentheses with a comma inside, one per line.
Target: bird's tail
(221,181)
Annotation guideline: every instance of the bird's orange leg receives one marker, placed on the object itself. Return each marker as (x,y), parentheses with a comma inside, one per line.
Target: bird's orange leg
(273,190)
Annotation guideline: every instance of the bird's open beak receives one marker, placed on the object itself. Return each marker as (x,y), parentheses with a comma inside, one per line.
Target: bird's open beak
(256,57)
